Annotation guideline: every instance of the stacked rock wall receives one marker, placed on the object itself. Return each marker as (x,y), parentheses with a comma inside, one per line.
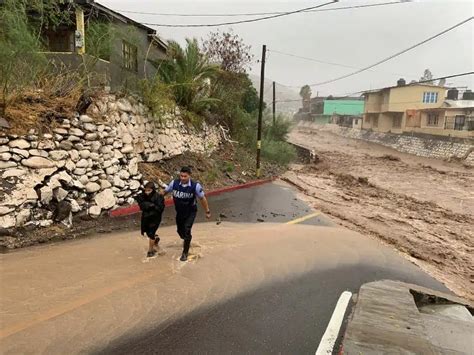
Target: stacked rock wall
(91,161)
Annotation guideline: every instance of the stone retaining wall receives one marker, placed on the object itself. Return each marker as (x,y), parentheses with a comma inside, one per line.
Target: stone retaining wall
(91,161)
(425,146)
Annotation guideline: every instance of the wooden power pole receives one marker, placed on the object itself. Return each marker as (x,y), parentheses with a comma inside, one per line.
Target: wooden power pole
(260,110)
(273,106)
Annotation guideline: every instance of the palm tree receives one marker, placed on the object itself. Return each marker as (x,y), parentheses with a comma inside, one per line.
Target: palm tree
(188,72)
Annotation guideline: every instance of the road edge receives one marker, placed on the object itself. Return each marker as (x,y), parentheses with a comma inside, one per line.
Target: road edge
(133,209)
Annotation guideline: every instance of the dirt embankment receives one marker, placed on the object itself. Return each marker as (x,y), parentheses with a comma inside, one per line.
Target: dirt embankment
(422,207)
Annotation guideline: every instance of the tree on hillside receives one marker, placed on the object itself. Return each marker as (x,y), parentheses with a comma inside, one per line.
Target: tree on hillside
(427,77)
(228,50)
(188,72)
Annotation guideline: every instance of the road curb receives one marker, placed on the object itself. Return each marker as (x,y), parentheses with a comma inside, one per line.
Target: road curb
(133,209)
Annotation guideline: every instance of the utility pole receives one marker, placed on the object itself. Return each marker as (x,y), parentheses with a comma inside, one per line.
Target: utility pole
(273,107)
(260,109)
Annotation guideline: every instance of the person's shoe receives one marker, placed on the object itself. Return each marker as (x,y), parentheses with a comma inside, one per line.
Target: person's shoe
(184,257)
(157,240)
(151,254)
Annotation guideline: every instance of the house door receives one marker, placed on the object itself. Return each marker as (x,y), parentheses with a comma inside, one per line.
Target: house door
(459,122)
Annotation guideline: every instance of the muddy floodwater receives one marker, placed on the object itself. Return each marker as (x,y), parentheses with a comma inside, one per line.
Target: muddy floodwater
(423,207)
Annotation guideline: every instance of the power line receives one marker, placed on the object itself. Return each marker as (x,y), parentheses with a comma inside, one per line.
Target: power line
(243,21)
(394,55)
(257,13)
(319,61)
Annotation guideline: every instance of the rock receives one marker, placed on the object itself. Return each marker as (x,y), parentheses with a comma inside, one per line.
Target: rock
(83,163)
(104,184)
(95,156)
(22,217)
(39,153)
(64,177)
(58,137)
(94,211)
(105,199)
(58,154)
(61,131)
(13,173)
(156,157)
(5,156)
(95,146)
(85,154)
(107,164)
(45,223)
(92,187)
(46,144)
(86,119)
(134,185)
(80,171)
(7,221)
(124,174)
(5,210)
(118,182)
(76,132)
(118,154)
(90,127)
(127,149)
(111,170)
(21,152)
(84,180)
(70,166)
(74,155)
(16,157)
(46,195)
(61,194)
(38,163)
(124,105)
(74,139)
(133,166)
(75,206)
(117,144)
(4,149)
(127,138)
(19,143)
(91,136)
(77,184)
(66,145)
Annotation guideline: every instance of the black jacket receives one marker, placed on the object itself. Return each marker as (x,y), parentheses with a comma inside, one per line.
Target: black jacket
(152,206)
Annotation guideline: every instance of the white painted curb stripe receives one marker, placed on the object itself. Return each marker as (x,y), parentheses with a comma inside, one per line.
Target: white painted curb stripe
(326,346)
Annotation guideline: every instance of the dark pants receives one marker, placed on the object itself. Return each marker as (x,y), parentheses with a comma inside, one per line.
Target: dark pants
(184,223)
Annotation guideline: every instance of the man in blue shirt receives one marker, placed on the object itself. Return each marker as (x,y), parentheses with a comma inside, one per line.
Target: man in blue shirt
(185,192)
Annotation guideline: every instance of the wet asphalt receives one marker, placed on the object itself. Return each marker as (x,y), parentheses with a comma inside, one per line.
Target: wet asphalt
(288,317)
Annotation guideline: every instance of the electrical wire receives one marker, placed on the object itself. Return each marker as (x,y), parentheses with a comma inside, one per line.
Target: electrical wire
(394,55)
(259,13)
(243,21)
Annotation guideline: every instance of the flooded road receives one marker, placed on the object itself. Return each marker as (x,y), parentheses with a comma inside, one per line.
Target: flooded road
(245,287)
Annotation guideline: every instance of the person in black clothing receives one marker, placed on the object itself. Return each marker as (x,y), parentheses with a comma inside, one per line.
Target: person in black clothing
(185,192)
(152,205)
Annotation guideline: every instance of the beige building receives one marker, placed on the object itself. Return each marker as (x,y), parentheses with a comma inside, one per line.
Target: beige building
(417,108)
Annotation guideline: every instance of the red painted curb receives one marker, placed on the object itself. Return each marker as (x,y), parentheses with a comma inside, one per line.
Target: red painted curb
(129,210)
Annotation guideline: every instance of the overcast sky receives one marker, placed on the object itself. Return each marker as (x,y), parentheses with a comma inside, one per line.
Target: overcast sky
(356,37)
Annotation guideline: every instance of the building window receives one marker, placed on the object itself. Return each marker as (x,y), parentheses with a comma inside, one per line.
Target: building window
(375,122)
(397,122)
(430,97)
(130,56)
(459,122)
(433,119)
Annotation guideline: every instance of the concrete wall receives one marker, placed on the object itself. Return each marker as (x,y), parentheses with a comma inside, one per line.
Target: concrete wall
(417,144)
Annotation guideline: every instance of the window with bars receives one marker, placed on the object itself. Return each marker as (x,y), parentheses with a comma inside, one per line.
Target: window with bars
(430,97)
(130,56)
(433,119)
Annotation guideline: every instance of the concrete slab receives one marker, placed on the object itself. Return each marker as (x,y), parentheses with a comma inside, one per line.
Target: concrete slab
(386,319)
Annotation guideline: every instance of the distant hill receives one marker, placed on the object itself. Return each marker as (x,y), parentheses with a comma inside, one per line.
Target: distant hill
(282,93)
